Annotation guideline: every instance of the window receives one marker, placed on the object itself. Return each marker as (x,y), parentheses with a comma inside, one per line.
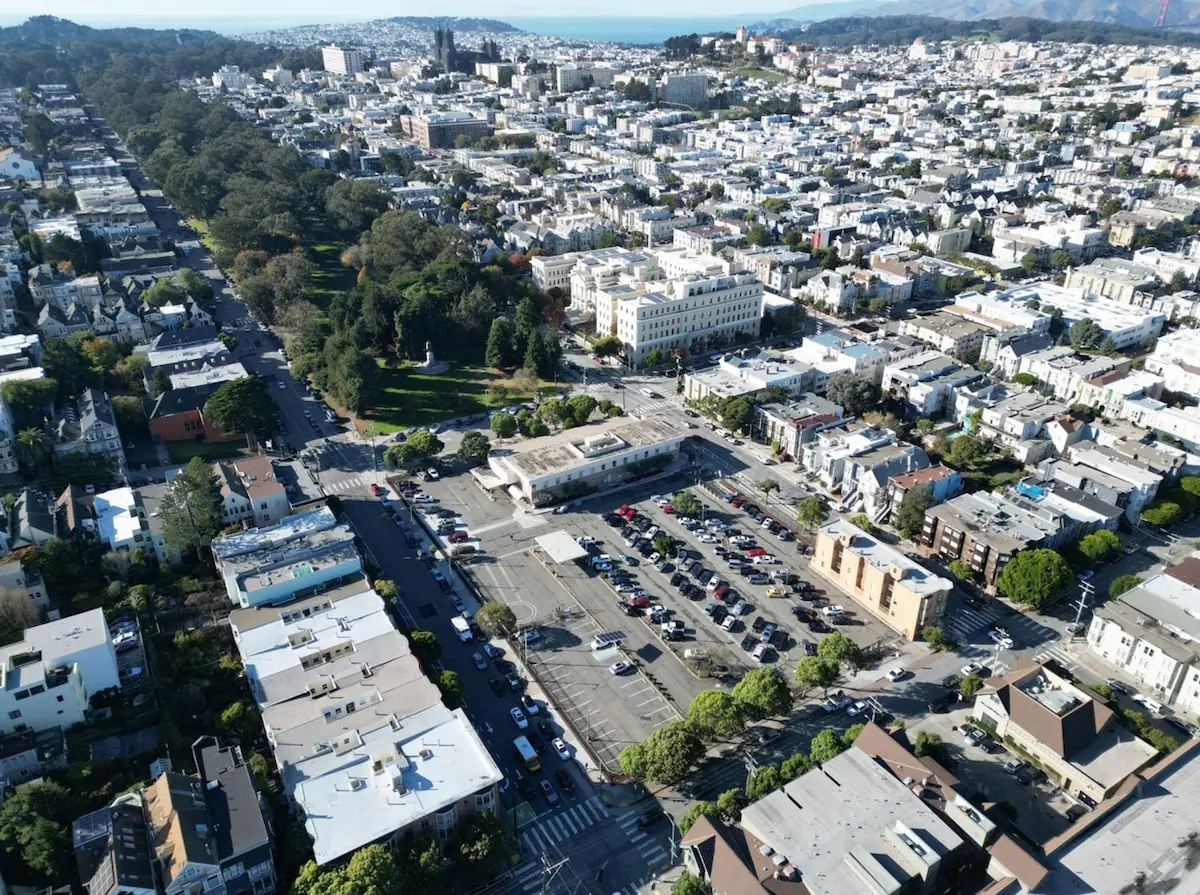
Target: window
(485,801)
(835,560)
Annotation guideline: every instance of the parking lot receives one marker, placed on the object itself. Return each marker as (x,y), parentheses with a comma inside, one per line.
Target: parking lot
(1036,810)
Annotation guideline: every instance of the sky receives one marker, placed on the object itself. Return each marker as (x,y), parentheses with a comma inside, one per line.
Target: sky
(151,13)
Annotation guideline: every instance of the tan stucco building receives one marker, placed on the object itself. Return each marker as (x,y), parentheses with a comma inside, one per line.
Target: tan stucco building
(899,592)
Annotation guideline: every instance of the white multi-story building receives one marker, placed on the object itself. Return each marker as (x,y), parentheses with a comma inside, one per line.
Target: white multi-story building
(230,77)
(684,89)
(341,60)
(1151,634)
(50,675)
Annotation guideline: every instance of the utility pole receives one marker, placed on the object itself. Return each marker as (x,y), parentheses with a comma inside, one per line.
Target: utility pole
(1086,589)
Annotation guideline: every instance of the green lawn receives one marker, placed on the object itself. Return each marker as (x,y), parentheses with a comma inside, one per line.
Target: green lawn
(409,399)
(182,451)
(762,73)
(330,276)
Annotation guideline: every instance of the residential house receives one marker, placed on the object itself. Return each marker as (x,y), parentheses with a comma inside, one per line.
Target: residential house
(112,849)
(90,426)
(251,493)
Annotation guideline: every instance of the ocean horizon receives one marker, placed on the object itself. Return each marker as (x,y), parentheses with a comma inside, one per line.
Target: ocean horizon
(617,29)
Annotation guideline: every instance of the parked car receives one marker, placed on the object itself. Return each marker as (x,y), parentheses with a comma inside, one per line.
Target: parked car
(519,719)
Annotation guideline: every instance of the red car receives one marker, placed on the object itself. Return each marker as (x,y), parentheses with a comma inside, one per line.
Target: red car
(640,602)
(457,537)
(756,551)
(375,490)
(668,509)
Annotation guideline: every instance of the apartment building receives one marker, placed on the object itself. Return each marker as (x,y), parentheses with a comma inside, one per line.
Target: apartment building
(735,375)
(1152,635)
(985,530)
(793,424)
(947,333)
(902,594)
(112,849)
(364,744)
(1107,473)
(50,675)
(1176,358)
(300,555)
(1073,737)
(341,60)
(541,471)
(928,383)
(439,130)
(1116,278)
(602,269)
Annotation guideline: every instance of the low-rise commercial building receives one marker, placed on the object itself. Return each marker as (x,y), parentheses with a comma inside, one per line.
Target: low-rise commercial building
(899,592)
(1072,736)
(579,461)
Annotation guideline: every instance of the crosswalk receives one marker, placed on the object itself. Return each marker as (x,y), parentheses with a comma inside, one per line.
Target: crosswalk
(1057,654)
(557,828)
(967,621)
(349,484)
(554,829)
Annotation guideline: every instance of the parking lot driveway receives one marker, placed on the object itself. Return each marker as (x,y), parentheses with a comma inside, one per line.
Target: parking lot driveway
(608,711)
(1035,810)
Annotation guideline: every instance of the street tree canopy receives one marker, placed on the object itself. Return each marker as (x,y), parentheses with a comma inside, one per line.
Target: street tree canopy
(1035,577)
(811,512)
(856,394)
(714,714)
(762,693)
(474,448)
(191,507)
(497,619)
(240,407)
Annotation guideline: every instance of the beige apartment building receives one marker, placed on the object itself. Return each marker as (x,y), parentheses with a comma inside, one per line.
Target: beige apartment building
(899,592)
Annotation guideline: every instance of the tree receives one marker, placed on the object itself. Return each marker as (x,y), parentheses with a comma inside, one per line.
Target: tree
(960,570)
(811,512)
(1162,512)
(386,589)
(965,450)
(937,639)
(417,448)
(970,685)
(688,884)
(766,486)
(813,671)
(160,384)
(850,734)
(762,693)
(663,544)
(856,394)
(714,714)
(32,446)
(1035,577)
(759,235)
(794,766)
(633,762)
(685,503)
(737,414)
(840,650)
(241,720)
(102,355)
(1099,546)
(241,407)
(1060,260)
(580,409)
(501,348)
(191,507)
(671,751)
(653,357)
(825,746)
(1122,583)
(450,685)
(930,744)
(1086,333)
(537,358)
(1025,379)
(474,448)
(504,425)
(694,813)
(863,521)
(606,346)
(425,646)
(909,517)
(763,781)
(29,397)
(497,619)
(730,803)
(353,205)
(35,828)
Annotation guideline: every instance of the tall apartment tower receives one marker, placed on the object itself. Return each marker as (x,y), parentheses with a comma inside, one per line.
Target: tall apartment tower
(341,60)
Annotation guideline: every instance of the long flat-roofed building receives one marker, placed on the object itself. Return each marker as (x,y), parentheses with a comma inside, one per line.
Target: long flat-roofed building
(362,740)
(541,471)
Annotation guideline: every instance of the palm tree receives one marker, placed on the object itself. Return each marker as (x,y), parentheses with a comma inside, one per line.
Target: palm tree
(32,446)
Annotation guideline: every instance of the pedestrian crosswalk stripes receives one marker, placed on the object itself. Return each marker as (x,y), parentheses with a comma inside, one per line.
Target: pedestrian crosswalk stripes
(1059,655)
(966,621)
(556,828)
(343,484)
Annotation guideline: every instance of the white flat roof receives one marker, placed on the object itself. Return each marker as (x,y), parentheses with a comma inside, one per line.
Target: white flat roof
(561,547)
(113,516)
(437,756)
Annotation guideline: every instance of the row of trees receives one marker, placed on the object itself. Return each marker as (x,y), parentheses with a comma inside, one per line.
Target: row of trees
(670,752)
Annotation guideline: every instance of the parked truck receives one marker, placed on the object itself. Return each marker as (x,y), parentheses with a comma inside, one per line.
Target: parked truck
(463,628)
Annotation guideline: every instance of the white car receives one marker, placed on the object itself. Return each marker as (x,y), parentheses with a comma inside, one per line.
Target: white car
(896,674)
(585,540)
(422,498)
(858,708)
(432,474)
(1001,637)
(706,538)
(971,668)
(619,668)
(836,703)
(561,748)
(659,499)
(519,719)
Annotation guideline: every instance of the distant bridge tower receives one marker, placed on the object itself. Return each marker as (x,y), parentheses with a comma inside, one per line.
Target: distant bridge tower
(1163,6)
